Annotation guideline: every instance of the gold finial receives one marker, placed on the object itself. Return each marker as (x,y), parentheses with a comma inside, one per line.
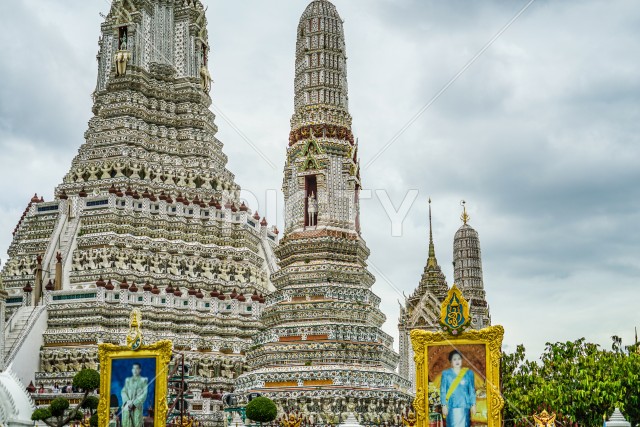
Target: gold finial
(464,217)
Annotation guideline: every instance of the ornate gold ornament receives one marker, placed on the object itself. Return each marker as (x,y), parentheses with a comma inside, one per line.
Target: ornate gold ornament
(454,312)
(544,419)
(410,420)
(134,337)
(490,337)
(292,421)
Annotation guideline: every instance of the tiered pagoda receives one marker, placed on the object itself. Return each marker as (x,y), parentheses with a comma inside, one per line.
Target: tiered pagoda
(467,272)
(148,216)
(322,352)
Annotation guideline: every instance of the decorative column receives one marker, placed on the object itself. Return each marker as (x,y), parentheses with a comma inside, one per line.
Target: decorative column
(58,276)
(37,294)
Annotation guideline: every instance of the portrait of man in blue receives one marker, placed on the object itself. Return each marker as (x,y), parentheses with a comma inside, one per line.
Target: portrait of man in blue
(457,392)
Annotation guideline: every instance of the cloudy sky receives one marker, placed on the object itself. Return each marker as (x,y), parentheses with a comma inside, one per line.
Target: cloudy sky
(540,135)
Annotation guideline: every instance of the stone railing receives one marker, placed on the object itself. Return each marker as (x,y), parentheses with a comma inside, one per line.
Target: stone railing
(165,300)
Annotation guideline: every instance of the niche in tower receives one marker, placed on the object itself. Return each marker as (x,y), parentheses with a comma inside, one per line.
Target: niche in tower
(310,201)
(123,38)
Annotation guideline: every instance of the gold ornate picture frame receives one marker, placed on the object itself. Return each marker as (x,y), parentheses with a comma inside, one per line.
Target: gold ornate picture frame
(133,384)
(480,352)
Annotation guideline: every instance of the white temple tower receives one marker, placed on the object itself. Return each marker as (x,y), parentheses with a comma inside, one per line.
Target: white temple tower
(323,352)
(148,216)
(467,272)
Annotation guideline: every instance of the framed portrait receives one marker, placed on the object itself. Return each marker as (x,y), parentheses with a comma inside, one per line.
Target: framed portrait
(458,378)
(133,385)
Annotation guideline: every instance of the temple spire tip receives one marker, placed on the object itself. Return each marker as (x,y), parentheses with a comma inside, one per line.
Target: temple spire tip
(464,217)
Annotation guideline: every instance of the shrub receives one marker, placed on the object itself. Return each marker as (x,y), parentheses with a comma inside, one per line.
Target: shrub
(262,410)
(87,379)
(58,406)
(41,414)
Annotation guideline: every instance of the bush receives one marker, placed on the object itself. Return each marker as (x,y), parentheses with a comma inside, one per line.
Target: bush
(41,414)
(87,379)
(93,421)
(58,406)
(262,410)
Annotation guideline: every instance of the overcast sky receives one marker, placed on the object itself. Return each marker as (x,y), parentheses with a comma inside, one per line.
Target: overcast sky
(540,135)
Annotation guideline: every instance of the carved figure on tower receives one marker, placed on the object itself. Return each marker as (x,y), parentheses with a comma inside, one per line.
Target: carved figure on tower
(121,59)
(312,209)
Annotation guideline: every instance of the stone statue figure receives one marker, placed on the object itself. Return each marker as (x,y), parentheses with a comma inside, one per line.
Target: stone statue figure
(47,362)
(312,209)
(327,411)
(123,41)
(205,78)
(121,59)
(350,408)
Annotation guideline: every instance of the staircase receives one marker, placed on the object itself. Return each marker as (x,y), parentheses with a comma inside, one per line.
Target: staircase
(23,339)
(67,246)
(14,328)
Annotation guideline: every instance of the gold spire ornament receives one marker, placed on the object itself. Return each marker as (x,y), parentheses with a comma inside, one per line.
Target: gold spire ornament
(464,217)
(134,337)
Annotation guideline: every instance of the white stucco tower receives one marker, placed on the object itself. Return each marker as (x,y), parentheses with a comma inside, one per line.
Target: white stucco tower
(467,272)
(323,352)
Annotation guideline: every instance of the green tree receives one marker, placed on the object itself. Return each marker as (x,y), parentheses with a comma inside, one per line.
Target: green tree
(262,410)
(578,380)
(58,413)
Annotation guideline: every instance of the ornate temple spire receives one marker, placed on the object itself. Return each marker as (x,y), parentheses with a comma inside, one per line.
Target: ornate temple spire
(431,261)
(422,308)
(430,292)
(321,68)
(467,270)
(323,288)
(322,177)
(168,38)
